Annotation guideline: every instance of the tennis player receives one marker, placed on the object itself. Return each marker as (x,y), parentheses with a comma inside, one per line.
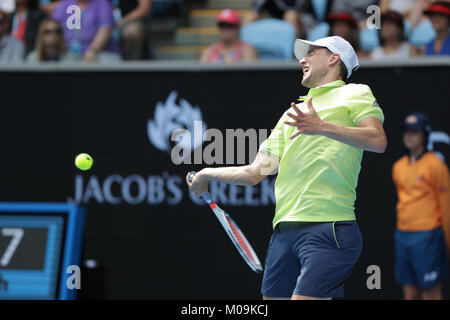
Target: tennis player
(316,148)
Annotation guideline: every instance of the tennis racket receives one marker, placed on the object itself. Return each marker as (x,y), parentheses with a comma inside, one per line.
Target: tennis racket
(237,237)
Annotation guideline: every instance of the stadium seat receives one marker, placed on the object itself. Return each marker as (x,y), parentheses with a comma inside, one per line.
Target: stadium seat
(422,34)
(272,38)
(322,28)
(320,9)
(368,39)
(319,31)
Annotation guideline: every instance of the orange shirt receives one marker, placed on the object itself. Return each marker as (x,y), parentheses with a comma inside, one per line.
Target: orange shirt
(423,194)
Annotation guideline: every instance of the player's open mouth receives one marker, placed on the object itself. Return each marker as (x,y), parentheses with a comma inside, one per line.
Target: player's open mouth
(305,70)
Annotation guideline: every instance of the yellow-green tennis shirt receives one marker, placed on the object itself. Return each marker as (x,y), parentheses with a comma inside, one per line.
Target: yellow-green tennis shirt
(317,176)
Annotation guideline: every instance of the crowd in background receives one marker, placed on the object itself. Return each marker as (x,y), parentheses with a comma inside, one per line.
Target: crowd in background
(40,30)
(114,30)
(407,28)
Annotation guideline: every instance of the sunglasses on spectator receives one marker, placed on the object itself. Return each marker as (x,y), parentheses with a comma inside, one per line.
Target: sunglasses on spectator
(52,31)
(224,25)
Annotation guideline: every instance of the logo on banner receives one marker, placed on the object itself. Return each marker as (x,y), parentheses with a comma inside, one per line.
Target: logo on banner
(170,116)
(165,188)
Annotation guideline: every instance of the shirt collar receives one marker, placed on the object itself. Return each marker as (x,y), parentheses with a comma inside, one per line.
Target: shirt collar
(326,86)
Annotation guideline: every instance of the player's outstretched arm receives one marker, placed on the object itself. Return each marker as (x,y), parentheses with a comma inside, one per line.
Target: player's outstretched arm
(248,175)
(369,135)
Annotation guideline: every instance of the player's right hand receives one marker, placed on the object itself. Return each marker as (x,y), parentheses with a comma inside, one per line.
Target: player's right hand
(199,184)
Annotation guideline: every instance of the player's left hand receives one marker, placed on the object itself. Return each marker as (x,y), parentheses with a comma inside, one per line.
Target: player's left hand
(306,122)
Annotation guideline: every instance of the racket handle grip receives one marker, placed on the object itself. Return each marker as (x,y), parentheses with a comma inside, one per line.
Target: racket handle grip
(206,196)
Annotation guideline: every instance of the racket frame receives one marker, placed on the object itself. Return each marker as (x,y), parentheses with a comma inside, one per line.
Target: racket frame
(228,224)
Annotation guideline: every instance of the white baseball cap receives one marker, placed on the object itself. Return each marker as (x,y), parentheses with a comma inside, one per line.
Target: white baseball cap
(7,6)
(335,44)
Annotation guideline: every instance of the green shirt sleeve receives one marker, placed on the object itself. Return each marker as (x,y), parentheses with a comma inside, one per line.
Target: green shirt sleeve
(274,144)
(362,104)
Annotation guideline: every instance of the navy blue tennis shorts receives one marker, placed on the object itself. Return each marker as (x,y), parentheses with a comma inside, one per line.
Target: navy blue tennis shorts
(420,257)
(311,259)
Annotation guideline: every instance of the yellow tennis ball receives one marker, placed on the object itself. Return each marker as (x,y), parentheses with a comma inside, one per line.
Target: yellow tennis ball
(83,161)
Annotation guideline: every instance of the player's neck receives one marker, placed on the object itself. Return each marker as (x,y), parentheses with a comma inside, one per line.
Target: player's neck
(325,80)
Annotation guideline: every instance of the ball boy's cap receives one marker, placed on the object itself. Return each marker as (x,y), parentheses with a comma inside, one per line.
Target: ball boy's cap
(335,44)
(417,121)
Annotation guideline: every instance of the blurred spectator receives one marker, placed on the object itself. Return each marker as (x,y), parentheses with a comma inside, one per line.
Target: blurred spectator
(50,44)
(439,13)
(11,50)
(404,7)
(411,10)
(134,29)
(93,40)
(363,39)
(288,10)
(132,10)
(392,40)
(229,49)
(423,214)
(418,28)
(25,23)
(357,9)
(344,25)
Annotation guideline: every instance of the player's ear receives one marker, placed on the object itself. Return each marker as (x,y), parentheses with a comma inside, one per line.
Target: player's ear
(334,59)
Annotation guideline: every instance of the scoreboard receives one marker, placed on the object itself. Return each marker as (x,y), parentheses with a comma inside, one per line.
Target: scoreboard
(38,242)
